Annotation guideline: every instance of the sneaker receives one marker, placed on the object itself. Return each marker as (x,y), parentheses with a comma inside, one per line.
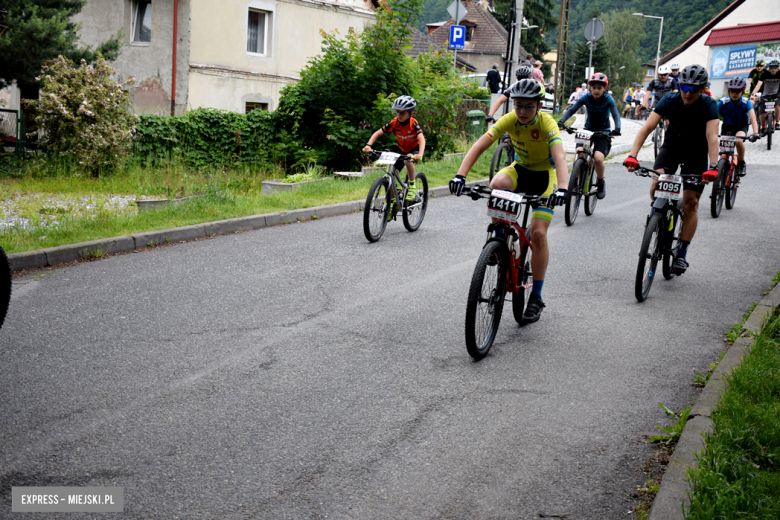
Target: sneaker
(679,266)
(777,126)
(602,191)
(533,310)
(411,195)
(742,169)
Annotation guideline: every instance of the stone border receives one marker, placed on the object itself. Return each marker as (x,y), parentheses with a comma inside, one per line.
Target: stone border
(107,246)
(672,496)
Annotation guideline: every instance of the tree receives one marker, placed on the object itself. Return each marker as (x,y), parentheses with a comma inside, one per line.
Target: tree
(623,34)
(536,12)
(39,31)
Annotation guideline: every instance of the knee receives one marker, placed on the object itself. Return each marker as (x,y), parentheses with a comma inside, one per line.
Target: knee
(539,236)
(691,205)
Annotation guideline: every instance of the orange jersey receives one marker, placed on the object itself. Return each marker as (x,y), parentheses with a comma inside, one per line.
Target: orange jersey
(405,133)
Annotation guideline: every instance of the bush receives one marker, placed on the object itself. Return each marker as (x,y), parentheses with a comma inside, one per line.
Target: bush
(83,113)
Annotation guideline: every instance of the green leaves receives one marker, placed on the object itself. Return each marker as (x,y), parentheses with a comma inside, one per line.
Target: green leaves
(673,432)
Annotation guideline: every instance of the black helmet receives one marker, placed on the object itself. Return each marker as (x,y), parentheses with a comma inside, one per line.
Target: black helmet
(404,103)
(737,84)
(523,71)
(760,63)
(693,75)
(526,88)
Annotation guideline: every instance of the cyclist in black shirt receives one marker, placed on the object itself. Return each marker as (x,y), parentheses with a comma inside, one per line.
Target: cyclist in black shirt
(755,74)
(769,84)
(692,139)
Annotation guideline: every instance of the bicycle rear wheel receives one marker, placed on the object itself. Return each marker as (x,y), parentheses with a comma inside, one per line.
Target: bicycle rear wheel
(671,253)
(377,210)
(486,298)
(648,257)
(770,129)
(525,282)
(414,214)
(590,198)
(719,188)
(732,184)
(576,182)
(502,157)
(5,285)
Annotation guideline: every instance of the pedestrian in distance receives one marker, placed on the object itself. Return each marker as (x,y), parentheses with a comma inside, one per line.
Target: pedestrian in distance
(523,72)
(494,79)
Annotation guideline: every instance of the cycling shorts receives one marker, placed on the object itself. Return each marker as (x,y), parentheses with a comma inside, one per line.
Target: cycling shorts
(689,161)
(532,182)
(399,164)
(603,145)
(733,129)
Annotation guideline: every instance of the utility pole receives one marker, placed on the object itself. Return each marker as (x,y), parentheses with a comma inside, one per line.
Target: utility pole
(563,47)
(518,24)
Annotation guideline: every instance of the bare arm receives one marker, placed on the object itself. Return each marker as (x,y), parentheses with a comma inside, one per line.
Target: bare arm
(561,168)
(712,140)
(758,87)
(421,143)
(753,123)
(500,101)
(477,149)
(379,133)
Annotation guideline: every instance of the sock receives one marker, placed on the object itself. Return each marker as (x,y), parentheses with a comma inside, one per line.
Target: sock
(683,248)
(537,289)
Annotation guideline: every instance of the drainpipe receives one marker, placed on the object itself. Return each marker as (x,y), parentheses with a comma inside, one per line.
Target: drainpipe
(173,67)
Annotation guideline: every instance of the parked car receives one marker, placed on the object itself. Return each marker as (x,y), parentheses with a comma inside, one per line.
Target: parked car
(481,79)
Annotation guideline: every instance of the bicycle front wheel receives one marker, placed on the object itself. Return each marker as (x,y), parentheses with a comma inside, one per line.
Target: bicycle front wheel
(658,137)
(648,257)
(770,129)
(502,157)
(5,285)
(377,210)
(525,281)
(486,298)
(731,188)
(414,212)
(576,182)
(671,253)
(591,198)
(719,188)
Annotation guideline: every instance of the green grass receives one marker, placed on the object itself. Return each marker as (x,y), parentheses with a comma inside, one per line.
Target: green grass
(228,193)
(739,471)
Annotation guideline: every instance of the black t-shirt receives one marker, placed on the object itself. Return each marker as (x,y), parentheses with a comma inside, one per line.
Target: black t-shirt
(687,124)
(754,76)
(771,83)
(494,80)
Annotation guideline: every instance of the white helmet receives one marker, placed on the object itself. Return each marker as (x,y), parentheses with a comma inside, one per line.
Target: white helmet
(663,69)
(675,66)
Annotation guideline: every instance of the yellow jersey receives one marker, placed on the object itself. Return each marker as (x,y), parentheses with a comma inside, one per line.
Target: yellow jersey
(531,142)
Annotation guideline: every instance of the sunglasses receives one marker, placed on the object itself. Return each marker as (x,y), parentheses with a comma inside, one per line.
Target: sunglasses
(774,68)
(690,89)
(524,108)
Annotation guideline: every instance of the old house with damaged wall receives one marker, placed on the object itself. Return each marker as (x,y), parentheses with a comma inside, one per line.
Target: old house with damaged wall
(230,54)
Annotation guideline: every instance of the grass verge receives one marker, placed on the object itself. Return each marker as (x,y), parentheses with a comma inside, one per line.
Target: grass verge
(738,475)
(227,194)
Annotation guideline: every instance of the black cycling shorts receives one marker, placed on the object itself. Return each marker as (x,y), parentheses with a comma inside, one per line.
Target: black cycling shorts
(602,144)
(733,129)
(689,161)
(399,164)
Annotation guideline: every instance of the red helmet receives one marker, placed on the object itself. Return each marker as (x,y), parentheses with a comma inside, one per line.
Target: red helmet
(599,77)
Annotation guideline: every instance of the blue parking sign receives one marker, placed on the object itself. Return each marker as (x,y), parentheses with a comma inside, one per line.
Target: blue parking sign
(457,37)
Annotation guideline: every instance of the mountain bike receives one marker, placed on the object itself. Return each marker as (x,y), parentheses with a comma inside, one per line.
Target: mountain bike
(5,285)
(658,136)
(661,238)
(503,266)
(503,155)
(387,197)
(582,181)
(769,109)
(726,184)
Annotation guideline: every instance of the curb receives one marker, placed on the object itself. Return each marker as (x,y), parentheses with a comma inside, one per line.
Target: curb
(672,497)
(106,246)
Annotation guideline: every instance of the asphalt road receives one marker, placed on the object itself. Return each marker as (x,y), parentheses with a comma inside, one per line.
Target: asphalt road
(301,372)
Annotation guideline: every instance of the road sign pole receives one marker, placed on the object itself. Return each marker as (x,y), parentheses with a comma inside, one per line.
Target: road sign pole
(455,60)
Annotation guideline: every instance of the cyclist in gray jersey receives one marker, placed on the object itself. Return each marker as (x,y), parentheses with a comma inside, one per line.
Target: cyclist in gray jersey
(770,82)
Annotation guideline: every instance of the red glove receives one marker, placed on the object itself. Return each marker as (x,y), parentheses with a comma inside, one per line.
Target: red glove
(631,162)
(709,175)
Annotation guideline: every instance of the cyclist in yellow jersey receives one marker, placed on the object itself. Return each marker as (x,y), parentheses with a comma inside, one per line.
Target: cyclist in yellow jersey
(539,168)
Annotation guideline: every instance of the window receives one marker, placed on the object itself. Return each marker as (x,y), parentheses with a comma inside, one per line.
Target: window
(256,106)
(142,21)
(469,33)
(256,30)
(650,73)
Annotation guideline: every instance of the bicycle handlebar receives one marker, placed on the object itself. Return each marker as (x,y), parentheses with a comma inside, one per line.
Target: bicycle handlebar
(374,154)
(690,178)
(480,191)
(598,133)
(743,137)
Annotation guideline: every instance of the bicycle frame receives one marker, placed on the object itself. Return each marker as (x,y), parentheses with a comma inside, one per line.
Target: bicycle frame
(393,176)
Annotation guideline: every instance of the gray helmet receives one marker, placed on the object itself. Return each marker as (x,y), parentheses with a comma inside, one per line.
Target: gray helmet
(737,84)
(523,71)
(526,88)
(693,75)
(404,103)
(774,63)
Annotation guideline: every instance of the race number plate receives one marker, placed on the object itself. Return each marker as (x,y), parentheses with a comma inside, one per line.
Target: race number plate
(582,137)
(727,143)
(388,158)
(669,186)
(769,106)
(504,205)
